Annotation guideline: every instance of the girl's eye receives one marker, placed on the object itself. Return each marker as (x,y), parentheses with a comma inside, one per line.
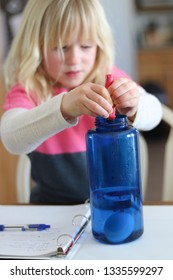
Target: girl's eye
(63,48)
(86,46)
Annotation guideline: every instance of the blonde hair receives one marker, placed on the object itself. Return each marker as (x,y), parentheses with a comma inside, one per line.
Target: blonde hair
(47,23)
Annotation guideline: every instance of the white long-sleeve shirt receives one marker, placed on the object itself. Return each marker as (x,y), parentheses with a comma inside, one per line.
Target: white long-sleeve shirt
(23,130)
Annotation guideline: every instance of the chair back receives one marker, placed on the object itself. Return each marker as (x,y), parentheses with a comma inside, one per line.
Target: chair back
(168,157)
(23,179)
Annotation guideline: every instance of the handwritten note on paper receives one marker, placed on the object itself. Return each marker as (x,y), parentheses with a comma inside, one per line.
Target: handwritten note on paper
(28,243)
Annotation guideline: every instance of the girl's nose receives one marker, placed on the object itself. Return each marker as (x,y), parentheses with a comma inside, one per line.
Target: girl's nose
(73,55)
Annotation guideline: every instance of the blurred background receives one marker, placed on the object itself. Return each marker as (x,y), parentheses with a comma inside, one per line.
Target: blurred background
(143,32)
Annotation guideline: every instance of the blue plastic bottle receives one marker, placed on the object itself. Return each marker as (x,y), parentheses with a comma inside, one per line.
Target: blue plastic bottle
(115,180)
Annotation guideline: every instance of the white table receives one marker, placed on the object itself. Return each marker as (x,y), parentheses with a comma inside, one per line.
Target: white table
(156,243)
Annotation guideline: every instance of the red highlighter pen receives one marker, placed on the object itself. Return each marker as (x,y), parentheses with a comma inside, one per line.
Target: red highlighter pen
(108,82)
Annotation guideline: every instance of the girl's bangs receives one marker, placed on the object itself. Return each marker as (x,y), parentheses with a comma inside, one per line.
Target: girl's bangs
(72,24)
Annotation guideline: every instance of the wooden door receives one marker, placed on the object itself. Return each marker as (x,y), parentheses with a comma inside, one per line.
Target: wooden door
(8,164)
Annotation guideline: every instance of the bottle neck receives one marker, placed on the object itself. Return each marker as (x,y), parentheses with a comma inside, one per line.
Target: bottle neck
(118,123)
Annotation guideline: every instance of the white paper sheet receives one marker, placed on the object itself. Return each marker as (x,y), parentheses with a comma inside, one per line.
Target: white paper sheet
(39,243)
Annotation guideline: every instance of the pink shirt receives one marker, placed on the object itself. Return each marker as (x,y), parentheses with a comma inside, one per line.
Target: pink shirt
(70,140)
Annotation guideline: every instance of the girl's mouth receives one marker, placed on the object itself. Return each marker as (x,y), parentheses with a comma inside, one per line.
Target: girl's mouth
(73,73)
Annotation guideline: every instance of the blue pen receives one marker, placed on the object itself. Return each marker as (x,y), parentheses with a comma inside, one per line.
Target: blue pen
(30,227)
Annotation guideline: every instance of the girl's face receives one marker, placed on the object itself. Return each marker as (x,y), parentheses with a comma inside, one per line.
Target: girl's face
(72,69)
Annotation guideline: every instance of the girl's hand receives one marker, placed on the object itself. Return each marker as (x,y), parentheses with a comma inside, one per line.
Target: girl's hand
(125,96)
(90,99)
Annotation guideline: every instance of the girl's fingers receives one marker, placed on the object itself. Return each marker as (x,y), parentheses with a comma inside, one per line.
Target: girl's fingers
(127,98)
(94,109)
(90,99)
(102,91)
(121,87)
(100,100)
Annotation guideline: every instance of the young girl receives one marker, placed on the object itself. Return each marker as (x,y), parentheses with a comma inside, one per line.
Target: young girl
(55,76)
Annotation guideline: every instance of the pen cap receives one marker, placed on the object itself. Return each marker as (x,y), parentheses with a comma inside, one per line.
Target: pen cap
(114,174)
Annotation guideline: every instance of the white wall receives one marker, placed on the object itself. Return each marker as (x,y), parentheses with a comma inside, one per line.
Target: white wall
(121,15)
